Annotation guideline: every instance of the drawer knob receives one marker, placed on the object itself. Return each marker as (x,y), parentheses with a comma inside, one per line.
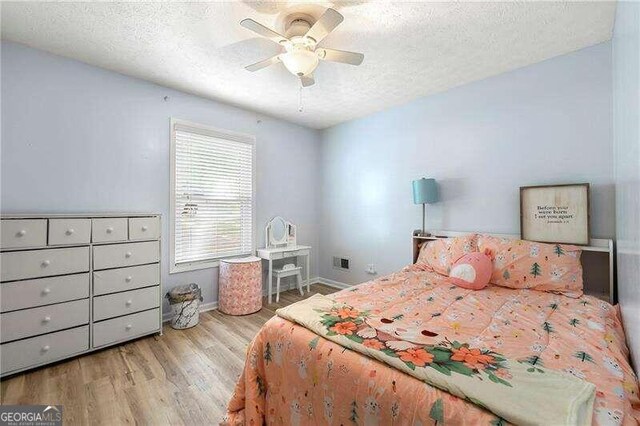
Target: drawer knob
(46,291)
(46,263)
(109,230)
(70,231)
(128,327)
(46,320)
(128,279)
(129,302)
(127,254)
(46,348)
(21,233)
(144,228)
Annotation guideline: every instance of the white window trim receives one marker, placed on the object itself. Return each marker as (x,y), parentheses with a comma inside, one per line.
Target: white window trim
(223,134)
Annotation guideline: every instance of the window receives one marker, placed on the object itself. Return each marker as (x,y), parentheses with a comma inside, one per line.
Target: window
(212,195)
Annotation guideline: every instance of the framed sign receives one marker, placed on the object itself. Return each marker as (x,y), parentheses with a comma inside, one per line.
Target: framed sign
(555,213)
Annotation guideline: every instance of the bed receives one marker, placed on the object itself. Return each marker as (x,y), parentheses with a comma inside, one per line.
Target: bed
(294,376)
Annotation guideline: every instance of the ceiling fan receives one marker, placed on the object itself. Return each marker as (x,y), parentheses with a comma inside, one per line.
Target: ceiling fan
(301,54)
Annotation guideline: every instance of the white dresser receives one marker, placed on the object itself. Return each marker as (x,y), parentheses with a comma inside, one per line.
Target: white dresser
(71,284)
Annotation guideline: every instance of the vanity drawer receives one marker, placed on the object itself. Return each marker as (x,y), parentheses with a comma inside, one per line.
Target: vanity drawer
(44,291)
(144,228)
(42,349)
(69,231)
(113,280)
(295,253)
(30,322)
(22,233)
(19,265)
(106,230)
(117,304)
(119,255)
(126,327)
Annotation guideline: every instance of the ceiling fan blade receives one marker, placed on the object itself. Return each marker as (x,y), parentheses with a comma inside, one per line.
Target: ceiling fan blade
(307,80)
(343,56)
(329,20)
(260,29)
(263,64)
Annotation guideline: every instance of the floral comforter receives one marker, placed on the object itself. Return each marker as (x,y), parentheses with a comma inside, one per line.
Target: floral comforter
(293,376)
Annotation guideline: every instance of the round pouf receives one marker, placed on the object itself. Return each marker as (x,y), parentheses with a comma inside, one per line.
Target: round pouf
(240,286)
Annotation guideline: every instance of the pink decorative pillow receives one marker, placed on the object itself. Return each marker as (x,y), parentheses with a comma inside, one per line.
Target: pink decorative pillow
(442,253)
(554,268)
(472,271)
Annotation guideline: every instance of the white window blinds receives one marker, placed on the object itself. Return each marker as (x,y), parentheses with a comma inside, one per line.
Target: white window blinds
(213,194)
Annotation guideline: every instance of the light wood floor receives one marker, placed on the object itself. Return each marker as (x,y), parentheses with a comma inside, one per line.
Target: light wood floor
(181,377)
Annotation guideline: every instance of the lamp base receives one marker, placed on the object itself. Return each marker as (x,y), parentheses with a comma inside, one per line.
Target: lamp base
(421,233)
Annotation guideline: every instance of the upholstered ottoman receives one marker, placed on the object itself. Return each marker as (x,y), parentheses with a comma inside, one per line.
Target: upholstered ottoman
(240,286)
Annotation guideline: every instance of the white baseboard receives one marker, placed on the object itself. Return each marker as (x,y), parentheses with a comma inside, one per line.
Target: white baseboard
(208,306)
(332,283)
(204,307)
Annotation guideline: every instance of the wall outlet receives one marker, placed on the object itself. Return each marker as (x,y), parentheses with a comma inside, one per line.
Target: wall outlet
(341,263)
(371,269)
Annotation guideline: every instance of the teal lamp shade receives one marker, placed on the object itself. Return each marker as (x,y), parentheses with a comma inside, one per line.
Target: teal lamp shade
(425,191)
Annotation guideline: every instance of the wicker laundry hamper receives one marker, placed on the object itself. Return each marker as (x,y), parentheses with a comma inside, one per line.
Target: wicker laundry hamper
(185,305)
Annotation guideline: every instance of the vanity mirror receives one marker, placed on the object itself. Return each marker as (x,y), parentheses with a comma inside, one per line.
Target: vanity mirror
(280,233)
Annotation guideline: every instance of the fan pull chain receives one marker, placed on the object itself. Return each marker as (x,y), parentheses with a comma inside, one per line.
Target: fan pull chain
(300,106)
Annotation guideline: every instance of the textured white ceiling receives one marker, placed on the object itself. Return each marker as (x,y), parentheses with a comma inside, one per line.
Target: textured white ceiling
(412,49)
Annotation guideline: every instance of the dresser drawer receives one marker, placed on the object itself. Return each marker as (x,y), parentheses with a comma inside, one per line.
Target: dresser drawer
(117,304)
(23,233)
(118,255)
(41,263)
(42,349)
(106,230)
(144,228)
(44,291)
(31,322)
(69,231)
(127,327)
(114,280)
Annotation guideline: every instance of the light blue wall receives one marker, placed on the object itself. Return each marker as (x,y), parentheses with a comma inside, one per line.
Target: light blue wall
(547,123)
(79,138)
(76,138)
(626,95)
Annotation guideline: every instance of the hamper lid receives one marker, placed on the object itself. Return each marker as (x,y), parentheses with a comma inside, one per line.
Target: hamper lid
(181,290)
(183,293)
(247,259)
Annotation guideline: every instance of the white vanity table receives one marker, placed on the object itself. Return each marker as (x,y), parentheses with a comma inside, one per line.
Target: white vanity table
(280,238)
(275,253)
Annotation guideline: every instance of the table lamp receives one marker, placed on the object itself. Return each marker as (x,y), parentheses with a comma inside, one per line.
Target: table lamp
(425,191)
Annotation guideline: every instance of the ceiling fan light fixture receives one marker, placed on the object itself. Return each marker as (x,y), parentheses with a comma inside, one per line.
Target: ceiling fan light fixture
(300,55)
(300,61)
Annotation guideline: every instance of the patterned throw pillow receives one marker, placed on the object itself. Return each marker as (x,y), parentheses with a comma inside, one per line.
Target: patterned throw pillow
(442,253)
(554,268)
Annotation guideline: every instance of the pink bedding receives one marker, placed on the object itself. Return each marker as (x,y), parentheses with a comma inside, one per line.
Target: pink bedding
(293,376)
